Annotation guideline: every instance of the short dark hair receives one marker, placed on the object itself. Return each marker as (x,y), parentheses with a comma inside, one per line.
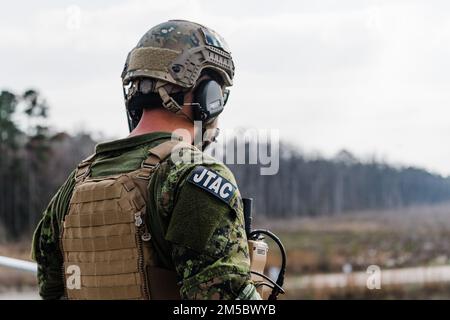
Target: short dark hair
(214,75)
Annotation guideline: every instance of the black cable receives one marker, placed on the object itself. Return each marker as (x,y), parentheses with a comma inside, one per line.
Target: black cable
(259,284)
(280,279)
(268,279)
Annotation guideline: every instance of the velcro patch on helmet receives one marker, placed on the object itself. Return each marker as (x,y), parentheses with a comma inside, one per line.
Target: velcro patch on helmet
(153,59)
(212,182)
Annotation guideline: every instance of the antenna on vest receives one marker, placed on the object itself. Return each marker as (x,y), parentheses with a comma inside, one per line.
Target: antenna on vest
(258,250)
(248,208)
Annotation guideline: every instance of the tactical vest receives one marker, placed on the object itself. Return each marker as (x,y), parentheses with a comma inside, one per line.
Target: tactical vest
(106,241)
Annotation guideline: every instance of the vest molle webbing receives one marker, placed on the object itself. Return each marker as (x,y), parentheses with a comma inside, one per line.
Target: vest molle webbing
(105,237)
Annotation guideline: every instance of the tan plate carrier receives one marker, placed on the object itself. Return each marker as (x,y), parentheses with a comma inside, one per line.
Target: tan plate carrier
(106,236)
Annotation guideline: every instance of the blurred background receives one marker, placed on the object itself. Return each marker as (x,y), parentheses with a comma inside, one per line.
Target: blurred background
(358,90)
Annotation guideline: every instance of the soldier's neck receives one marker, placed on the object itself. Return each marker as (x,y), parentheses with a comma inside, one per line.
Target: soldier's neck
(157,120)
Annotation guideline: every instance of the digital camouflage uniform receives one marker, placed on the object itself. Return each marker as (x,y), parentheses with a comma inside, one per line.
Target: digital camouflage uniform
(193,232)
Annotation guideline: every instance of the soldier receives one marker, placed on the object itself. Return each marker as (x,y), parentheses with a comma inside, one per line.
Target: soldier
(132,221)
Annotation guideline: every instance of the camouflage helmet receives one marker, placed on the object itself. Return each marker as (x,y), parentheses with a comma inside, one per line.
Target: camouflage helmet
(170,58)
(177,51)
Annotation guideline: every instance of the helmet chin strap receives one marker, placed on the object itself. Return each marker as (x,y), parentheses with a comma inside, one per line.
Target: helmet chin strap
(205,134)
(168,102)
(208,132)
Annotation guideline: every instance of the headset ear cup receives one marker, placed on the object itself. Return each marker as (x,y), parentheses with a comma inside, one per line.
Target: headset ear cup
(198,108)
(208,100)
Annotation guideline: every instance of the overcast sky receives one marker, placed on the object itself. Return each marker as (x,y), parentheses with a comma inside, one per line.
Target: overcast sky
(369,76)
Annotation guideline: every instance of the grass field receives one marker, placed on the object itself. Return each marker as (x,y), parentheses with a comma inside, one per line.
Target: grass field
(418,236)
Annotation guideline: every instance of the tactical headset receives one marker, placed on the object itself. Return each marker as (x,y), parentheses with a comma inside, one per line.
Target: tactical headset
(209,100)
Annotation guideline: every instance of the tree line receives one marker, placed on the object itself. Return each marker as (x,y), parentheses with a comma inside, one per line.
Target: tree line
(306,186)
(34,162)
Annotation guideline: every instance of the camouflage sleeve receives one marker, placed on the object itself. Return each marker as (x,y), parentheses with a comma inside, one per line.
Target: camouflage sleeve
(209,245)
(45,247)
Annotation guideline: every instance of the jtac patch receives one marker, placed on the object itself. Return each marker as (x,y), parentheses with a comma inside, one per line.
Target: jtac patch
(214,183)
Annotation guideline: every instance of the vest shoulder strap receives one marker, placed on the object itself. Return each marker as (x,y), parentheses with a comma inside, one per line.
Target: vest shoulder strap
(83,168)
(158,154)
